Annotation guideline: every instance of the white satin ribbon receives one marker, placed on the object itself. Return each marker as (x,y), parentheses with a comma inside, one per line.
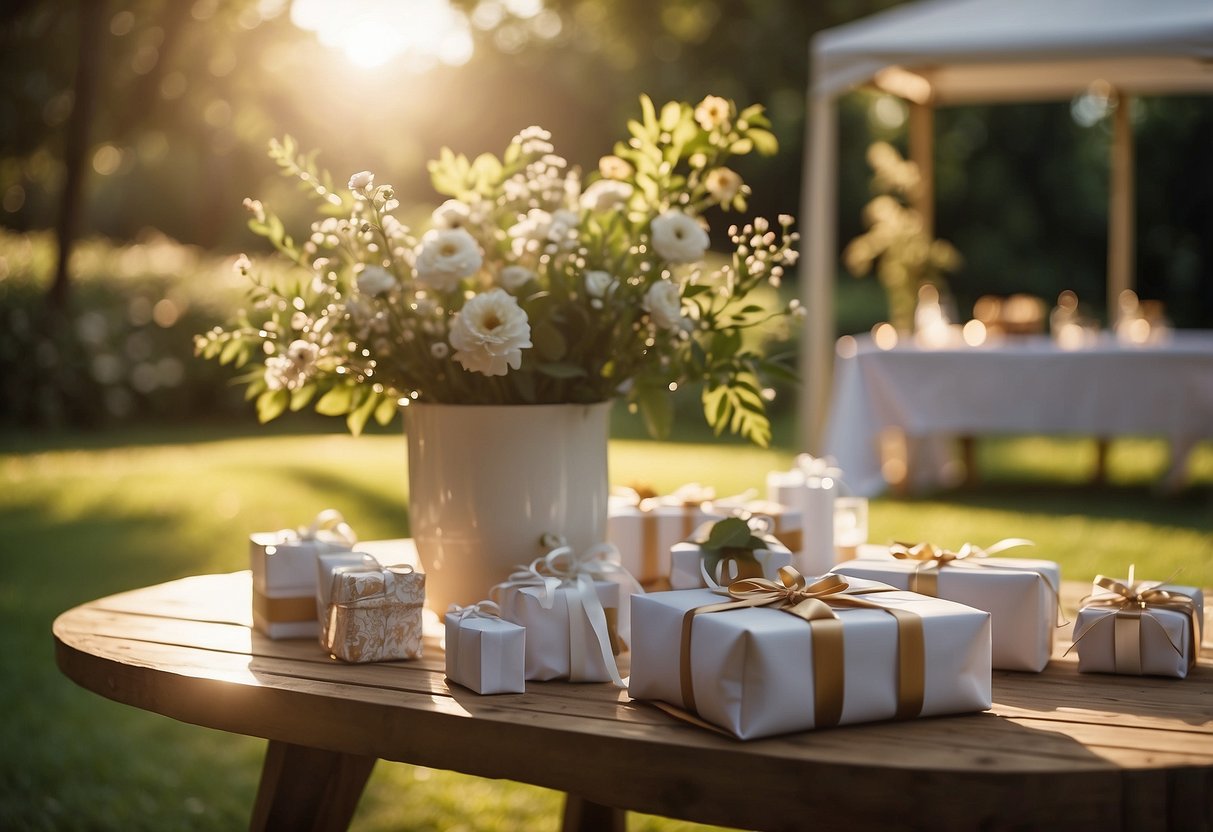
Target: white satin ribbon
(329,525)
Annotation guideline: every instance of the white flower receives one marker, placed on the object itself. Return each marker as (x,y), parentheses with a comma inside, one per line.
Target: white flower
(723,184)
(606,194)
(291,369)
(242,265)
(375,280)
(612,167)
(362,181)
(514,278)
(598,283)
(446,256)
(490,333)
(534,226)
(712,112)
(564,227)
(663,302)
(452,214)
(440,350)
(678,238)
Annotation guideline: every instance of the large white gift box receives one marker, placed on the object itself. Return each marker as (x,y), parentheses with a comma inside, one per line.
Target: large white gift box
(810,489)
(375,615)
(1139,628)
(284,574)
(328,565)
(485,652)
(1019,593)
(760,671)
(692,565)
(644,529)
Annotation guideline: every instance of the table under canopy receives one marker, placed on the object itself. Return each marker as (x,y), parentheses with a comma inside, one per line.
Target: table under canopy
(1024,385)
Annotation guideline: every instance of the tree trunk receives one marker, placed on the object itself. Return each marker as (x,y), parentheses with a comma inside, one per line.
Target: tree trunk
(91,17)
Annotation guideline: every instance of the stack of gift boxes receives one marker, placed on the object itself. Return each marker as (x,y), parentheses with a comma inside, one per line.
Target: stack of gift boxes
(761,631)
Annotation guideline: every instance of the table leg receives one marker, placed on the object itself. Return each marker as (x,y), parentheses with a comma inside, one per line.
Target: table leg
(580,815)
(308,788)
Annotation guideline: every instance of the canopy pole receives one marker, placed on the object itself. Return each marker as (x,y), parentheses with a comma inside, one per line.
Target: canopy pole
(1120,207)
(818,208)
(922,154)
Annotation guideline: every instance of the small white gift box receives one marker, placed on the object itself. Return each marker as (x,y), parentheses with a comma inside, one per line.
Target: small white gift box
(645,528)
(375,615)
(875,653)
(572,612)
(284,574)
(485,652)
(1139,628)
(810,488)
(1019,593)
(693,564)
(329,565)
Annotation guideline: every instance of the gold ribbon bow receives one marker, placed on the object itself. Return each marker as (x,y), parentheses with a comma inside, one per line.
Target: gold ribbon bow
(931,559)
(1130,602)
(815,603)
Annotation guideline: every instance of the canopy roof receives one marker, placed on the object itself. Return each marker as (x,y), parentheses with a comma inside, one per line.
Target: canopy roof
(967,51)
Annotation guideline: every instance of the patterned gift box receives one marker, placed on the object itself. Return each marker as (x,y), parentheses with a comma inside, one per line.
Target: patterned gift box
(698,563)
(375,615)
(645,528)
(284,574)
(1139,628)
(574,612)
(485,652)
(328,565)
(778,657)
(1019,593)
(810,489)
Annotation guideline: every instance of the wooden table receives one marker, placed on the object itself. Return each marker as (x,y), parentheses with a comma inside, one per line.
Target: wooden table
(1056,750)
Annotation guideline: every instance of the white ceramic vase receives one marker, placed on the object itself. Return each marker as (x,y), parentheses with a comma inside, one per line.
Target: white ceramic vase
(486,482)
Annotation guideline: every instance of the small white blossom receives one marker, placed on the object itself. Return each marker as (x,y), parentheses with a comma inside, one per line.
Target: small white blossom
(723,184)
(452,214)
(490,333)
(291,370)
(679,238)
(375,280)
(254,207)
(663,302)
(712,112)
(514,278)
(440,350)
(446,256)
(612,167)
(242,265)
(598,283)
(534,226)
(605,195)
(362,182)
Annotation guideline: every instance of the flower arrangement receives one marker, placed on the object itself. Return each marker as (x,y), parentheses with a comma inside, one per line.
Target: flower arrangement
(533,284)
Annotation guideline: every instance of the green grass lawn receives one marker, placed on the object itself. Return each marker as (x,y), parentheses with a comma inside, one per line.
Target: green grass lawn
(82,517)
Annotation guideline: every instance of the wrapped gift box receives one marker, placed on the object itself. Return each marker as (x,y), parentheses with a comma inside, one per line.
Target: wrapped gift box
(752,670)
(1115,633)
(786,522)
(375,616)
(329,565)
(645,529)
(687,564)
(1020,594)
(484,652)
(562,641)
(810,489)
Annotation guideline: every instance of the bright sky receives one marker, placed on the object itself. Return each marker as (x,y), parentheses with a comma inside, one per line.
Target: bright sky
(372,33)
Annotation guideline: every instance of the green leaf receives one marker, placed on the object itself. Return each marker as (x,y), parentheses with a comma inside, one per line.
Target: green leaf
(649,113)
(742,147)
(732,532)
(779,371)
(301,397)
(357,420)
(386,410)
(670,114)
(549,342)
(656,409)
(764,141)
(336,402)
(270,405)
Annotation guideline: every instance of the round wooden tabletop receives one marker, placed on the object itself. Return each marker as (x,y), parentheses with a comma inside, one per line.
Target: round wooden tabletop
(1056,749)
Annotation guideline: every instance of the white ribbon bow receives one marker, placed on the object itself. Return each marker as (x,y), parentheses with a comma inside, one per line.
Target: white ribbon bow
(329,525)
(481,609)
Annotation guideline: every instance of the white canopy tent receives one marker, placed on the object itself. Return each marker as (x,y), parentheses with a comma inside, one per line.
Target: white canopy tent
(953,52)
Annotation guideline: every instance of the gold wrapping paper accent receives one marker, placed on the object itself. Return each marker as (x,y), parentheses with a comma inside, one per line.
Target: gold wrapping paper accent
(814,603)
(284,610)
(1128,604)
(650,559)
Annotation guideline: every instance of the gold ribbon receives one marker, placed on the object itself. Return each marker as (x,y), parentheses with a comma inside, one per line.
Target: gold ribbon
(931,559)
(691,498)
(814,604)
(1130,602)
(284,610)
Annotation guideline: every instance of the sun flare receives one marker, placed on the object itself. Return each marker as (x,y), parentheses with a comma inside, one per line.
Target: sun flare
(372,33)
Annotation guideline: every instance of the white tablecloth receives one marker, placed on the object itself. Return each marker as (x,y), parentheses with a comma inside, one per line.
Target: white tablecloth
(1019,386)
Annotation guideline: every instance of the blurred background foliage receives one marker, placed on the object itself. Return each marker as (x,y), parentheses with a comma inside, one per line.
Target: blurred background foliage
(186,93)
